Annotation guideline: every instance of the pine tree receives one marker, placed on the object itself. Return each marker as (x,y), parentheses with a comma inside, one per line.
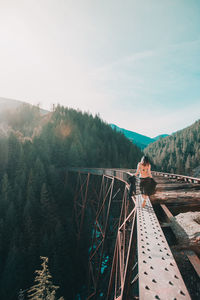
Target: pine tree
(39,173)
(32,202)
(3,155)
(14,154)
(4,194)
(21,295)
(44,287)
(36,199)
(177,153)
(48,209)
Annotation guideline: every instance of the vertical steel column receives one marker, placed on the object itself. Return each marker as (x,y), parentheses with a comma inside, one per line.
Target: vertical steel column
(125,253)
(99,235)
(80,200)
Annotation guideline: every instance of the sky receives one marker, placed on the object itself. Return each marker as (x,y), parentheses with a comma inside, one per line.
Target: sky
(134,62)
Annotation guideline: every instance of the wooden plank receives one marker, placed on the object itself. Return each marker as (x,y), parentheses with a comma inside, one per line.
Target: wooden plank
(171,191)
(195,261)
(167,211)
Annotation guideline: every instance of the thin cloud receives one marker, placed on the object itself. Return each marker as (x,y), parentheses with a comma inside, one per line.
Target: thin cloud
(124,60)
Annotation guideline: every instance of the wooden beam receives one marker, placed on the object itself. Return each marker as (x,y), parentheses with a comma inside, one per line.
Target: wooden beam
(195,261)
(167,211)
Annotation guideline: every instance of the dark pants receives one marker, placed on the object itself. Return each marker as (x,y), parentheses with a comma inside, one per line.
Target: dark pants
(147,186)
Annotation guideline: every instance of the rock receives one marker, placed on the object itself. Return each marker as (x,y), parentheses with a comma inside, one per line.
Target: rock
(186,227)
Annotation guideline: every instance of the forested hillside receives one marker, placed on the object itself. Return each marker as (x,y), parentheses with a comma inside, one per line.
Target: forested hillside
(36,205)
(7,104)
(178,153)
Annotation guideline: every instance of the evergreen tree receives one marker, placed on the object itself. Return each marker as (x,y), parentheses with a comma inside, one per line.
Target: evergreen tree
(36,199)
(48,210)
(14,155)
(44,288)
(21,295)
(3,155)
(178,153)
(5,195)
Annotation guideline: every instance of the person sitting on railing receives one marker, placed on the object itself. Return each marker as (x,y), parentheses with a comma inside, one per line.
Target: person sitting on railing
(147,184)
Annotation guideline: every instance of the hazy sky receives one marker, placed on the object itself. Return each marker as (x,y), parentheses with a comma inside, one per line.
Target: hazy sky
(136,62)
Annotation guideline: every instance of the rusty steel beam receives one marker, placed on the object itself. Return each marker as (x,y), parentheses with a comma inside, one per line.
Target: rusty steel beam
(80,200)
(142,263)
(100,231)
(159,276)
(125,294)
(105,226)
(123,261)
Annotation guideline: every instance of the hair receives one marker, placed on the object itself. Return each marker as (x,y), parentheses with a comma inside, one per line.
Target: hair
(145,161)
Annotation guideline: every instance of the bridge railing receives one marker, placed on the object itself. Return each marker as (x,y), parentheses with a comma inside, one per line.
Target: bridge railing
(177,176)
(123,174)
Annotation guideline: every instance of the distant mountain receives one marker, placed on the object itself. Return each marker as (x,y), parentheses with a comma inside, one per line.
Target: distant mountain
(140,140)
(21,117)
(178,153)
(11,104)
(161,136)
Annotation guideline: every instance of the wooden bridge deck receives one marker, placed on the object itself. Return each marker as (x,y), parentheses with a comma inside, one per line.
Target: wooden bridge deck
(169,190)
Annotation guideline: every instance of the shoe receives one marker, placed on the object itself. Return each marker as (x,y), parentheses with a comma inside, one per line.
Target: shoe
(144,203)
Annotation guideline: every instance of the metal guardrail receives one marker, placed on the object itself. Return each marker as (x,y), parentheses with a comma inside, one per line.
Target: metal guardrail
(123,174)
(178,177)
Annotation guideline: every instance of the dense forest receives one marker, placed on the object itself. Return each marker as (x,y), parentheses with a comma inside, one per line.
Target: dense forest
(36,205)
(178,153)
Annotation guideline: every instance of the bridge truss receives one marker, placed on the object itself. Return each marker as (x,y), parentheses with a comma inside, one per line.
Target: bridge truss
(129,257)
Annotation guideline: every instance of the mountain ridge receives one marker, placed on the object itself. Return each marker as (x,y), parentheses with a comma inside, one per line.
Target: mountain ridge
(178,153)
(8,103)
(15,114)
(140,140)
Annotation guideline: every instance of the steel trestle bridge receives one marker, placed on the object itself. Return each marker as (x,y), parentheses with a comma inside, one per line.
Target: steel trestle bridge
(129,257)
